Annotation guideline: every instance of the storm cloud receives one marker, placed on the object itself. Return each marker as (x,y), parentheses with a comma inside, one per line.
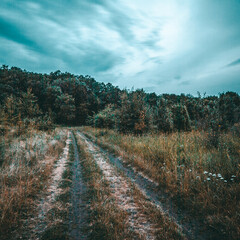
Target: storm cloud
(163,46)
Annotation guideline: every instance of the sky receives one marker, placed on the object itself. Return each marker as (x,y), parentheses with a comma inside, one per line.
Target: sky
(162,46)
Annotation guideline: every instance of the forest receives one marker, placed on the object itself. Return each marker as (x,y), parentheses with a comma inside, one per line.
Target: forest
(64,98)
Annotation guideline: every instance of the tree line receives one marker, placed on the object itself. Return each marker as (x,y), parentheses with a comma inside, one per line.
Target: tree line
(65,98)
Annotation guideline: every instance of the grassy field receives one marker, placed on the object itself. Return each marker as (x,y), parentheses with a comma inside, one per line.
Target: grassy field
(199,170)
(28,161)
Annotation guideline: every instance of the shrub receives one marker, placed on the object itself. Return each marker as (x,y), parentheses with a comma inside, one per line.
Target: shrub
(106,118)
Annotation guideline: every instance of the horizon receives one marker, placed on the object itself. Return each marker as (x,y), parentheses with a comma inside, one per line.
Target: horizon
(168,47)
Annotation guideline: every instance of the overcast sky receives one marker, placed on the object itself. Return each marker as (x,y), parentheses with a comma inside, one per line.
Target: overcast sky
(166,46)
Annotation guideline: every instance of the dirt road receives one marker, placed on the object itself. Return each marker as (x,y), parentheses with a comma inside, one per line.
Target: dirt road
(151,214)
(121,192)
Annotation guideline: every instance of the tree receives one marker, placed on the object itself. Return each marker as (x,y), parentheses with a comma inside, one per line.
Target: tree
(28,107)
(133,113)
(65,109)
(107,118)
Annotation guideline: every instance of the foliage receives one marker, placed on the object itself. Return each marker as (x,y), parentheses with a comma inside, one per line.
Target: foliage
(65,98)
(106,118)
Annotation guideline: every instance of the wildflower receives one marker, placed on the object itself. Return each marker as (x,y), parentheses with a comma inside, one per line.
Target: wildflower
(233,176)
(210,174)
(219,175)
(222,178)
(232,179)
(197,177)
(225,180)
(205,172)
(214,175)
(208,179)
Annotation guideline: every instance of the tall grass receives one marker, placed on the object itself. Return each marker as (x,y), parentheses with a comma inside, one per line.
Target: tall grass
(26,166)
(200,170)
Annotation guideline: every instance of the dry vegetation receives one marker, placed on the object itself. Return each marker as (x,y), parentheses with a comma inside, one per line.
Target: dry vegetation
(27,163)
(200,170)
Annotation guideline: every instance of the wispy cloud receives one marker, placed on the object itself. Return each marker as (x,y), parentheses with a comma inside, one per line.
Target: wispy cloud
(168,46)
(234,63)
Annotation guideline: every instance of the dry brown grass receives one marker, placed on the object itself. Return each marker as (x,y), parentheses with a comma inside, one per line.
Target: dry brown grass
(27,164)
(200,170)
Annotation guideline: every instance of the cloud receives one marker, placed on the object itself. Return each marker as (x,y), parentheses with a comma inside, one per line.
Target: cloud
(168,46)
(234,63)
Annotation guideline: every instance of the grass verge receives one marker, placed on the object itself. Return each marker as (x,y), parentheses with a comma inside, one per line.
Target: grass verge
(58,216)
(28,162)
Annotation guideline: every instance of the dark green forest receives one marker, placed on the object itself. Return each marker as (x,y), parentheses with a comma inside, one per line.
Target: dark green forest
(28,98)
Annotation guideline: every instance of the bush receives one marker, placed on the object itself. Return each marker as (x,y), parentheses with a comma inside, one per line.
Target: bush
(106,118)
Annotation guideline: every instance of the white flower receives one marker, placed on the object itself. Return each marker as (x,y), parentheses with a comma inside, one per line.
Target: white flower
(233,176)
(219,175)
(208,179)
(205,172)
(222,178)
(225,180)
(197,177)
(210,174)
(214,175)
(231,179)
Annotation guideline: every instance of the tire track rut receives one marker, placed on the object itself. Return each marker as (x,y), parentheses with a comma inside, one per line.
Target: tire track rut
(192,228)
(121,192)
(79,201)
